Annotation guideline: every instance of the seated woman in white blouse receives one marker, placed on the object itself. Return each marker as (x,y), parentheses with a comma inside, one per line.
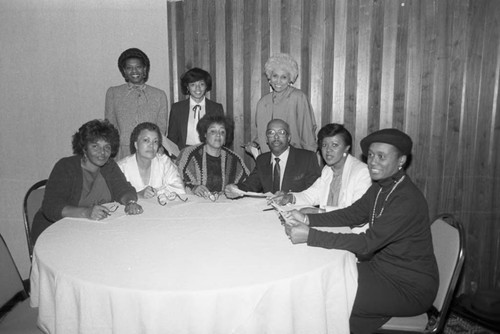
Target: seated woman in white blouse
(149,172)
(343,180)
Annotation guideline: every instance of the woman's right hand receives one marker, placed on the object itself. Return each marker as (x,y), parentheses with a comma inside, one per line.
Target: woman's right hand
(97,212)
(147,192)
(252,145)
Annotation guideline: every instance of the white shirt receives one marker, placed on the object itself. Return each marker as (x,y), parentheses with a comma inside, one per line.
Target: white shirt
(192,137)
(355,182)
(163,173)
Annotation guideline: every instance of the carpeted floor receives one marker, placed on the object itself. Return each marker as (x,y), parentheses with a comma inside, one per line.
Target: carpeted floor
(459,325)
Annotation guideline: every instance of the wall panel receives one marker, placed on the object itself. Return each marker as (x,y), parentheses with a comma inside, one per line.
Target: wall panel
(428,67)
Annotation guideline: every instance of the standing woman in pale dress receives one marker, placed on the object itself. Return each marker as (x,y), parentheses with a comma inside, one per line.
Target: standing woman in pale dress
(134,102)
(284,102)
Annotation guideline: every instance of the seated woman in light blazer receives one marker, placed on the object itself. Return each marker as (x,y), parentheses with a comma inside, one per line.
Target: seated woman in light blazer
(184,115)
(344,178)
(150,172)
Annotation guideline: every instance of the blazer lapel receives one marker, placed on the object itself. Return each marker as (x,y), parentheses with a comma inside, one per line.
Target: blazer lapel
(185,119)
(289,171)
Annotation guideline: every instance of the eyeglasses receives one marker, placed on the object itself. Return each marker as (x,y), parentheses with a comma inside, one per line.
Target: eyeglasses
(113,207)
(163,198)
(280,132)
(166,196)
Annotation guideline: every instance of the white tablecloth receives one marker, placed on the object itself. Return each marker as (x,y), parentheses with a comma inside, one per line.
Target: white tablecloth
(194,267)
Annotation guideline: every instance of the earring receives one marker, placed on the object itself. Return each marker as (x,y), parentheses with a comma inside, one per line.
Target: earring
(344,154)
(399,168)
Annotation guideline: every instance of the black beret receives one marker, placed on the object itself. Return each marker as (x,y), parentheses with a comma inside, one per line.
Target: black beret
(395,137)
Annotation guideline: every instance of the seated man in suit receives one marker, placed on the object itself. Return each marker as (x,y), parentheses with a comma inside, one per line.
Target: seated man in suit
(285,168)
(184,115)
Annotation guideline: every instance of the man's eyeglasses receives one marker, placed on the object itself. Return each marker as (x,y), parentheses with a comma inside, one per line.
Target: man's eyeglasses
(280,132)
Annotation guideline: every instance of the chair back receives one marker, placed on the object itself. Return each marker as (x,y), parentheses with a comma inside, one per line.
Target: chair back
(11,284)
(448,240)
(31,204)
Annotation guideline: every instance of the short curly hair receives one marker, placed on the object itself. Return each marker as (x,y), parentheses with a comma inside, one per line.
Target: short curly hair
(133,53)
(193,75)
(282,61)
(93,131)
(137,131)
(334,129)
(206,121)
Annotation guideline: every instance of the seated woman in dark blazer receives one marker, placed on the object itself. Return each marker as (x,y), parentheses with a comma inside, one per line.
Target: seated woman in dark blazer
(78,185)
(184,115)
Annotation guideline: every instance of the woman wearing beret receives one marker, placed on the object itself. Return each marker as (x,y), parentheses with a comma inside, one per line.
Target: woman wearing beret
(78,185)
(134,102)
(284,102)
(397,271)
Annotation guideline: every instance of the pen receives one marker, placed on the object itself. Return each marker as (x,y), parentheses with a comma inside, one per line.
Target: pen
(268,209)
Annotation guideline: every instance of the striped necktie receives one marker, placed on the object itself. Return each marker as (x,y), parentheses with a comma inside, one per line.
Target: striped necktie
(276,175)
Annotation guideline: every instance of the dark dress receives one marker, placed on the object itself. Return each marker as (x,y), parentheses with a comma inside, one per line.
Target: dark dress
(64,187)
(397,272)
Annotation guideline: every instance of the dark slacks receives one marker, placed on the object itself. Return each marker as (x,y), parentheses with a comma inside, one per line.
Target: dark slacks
(377,300)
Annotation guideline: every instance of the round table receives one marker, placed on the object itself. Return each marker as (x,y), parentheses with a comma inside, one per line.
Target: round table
(193,267)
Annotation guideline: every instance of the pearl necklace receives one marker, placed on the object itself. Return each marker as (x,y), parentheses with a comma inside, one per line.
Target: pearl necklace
(385,201)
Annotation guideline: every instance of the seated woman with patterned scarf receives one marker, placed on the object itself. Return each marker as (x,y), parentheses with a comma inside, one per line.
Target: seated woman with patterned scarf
(208,167)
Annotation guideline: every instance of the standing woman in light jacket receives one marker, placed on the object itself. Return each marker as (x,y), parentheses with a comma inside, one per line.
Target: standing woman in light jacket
(284,102)
(134,102)
(343,180)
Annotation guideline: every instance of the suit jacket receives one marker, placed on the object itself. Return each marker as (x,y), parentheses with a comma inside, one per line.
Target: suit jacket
(178,119)
(301,171)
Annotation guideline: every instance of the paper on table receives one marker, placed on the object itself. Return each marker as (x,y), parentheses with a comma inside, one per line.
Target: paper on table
(251,193)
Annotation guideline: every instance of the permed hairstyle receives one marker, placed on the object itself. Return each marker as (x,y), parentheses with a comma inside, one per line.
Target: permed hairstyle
(334,129)
(133,53)
(137,131)
(193,75)
(282,61)
(206,121)
(93,131)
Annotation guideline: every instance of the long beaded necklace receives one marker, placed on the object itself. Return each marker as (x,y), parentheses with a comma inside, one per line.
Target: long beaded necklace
(385,201)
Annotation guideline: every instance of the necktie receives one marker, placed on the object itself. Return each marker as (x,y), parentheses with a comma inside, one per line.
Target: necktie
(276,175)
(196,110)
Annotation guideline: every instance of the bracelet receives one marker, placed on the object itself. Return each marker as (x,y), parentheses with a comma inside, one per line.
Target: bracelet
(305,219)
(131,201)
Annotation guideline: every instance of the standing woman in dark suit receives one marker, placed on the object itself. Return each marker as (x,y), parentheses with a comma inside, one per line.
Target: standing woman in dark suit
(184,115)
